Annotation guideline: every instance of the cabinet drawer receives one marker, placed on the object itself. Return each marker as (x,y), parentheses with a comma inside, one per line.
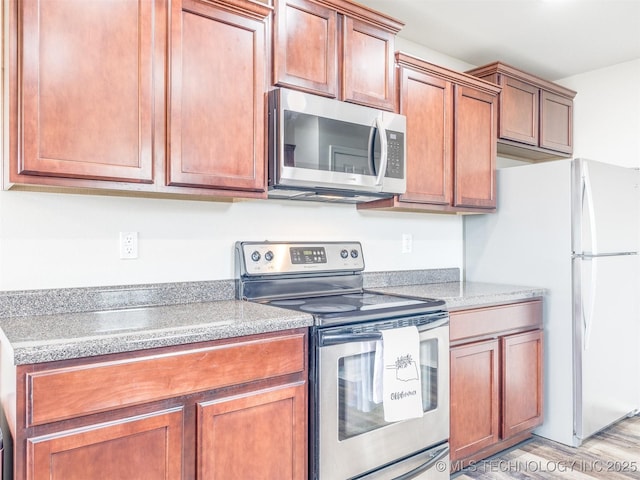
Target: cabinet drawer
(96,387)
(493,320)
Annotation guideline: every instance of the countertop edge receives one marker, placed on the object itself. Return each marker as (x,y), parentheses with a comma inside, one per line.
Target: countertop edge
(222,319)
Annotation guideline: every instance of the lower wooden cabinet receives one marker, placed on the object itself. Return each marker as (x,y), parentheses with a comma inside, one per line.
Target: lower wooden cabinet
(226,409)
(496,379)
(475,389)
(521,382)
(144,447)
(260,435)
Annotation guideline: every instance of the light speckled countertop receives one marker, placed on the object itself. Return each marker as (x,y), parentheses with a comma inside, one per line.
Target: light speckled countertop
(43,332)
(460,295)
(45,338)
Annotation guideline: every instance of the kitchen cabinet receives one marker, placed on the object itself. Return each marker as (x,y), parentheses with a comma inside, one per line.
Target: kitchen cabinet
(115,97)
(88,88)
(535,115)
(217,110)
(220,409)
(496,360)
(451,148)
(335,48)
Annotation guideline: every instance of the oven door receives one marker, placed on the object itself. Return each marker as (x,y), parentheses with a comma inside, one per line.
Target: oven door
(352,437)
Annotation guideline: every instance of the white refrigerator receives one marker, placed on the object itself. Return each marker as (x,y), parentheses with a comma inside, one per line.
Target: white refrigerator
(572,227)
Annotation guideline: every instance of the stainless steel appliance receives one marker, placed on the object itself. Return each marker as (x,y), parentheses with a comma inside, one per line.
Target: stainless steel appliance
(326,150)
(571,226)
(349,438)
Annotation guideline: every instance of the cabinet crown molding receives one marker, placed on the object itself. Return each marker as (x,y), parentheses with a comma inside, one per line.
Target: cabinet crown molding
(252,8)
(513,72)
(459,78)
(360,12)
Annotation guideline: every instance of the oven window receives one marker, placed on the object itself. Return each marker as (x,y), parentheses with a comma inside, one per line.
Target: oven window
(358,411)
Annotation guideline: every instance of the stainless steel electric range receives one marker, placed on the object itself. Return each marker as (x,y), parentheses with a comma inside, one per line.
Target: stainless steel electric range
(349,438)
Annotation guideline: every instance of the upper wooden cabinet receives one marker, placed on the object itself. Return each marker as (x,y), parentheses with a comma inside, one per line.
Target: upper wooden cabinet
(88,78)
(129,96)
(535,116)
(451,147)
(217,108)
(335,48)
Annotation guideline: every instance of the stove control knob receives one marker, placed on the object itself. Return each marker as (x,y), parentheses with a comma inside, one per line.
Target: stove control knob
(255,256)
(268,256)
(354,253)
(344,253)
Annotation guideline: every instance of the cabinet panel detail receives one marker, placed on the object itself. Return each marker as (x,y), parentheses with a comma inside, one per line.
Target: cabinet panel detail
(493,320)
(556,122)
(427,102)
(259,435)
(522,382)
(305,46)
(519,111)
(475,149)
(217,115)
(74,391)
(474,397)
(145,448)
(368,69)
(87,93)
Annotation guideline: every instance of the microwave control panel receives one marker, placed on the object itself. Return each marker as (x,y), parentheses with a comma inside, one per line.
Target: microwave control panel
(395,154)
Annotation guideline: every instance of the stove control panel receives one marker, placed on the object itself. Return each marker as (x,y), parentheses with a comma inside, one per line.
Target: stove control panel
(275,258)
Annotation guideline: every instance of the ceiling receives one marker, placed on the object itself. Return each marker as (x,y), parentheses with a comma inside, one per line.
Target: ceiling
(553,39)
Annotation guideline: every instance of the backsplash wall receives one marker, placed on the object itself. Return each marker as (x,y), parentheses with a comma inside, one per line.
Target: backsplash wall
(53,240)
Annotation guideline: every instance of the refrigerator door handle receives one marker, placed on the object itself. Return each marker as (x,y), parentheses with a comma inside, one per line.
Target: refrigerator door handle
(587,318)
(587,201)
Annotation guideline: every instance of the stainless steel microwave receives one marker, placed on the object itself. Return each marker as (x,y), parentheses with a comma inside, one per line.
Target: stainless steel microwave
(327,150)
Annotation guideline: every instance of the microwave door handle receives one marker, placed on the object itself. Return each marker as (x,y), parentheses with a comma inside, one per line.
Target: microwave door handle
(383,151)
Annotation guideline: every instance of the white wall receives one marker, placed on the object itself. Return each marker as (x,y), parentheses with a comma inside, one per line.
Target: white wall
(607,114)
(51,240)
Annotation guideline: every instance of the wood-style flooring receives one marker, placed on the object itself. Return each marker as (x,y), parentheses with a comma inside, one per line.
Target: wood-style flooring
(613,454)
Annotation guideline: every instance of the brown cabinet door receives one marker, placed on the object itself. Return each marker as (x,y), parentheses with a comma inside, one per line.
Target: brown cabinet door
(519,111)
(556,122)
(305,51)
(474,398)
(217,113)
(148,447)
(475,148)
(368,65)
(88,89)
(427,102)
(522,389)
(258,435)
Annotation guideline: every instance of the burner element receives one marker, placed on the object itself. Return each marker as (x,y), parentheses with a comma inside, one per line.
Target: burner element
(327,308)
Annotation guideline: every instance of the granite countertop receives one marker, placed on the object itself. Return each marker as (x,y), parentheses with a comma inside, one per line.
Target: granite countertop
(461,295)
(36,327)
(44,338)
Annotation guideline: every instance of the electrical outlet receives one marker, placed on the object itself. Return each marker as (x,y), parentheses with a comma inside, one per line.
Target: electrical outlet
(407,243)
(128,245)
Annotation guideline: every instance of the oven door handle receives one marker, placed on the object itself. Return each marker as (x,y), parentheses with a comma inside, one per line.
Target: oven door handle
(328,339)
(437,456)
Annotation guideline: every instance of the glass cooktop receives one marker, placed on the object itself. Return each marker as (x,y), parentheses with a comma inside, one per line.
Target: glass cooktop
(358,306)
